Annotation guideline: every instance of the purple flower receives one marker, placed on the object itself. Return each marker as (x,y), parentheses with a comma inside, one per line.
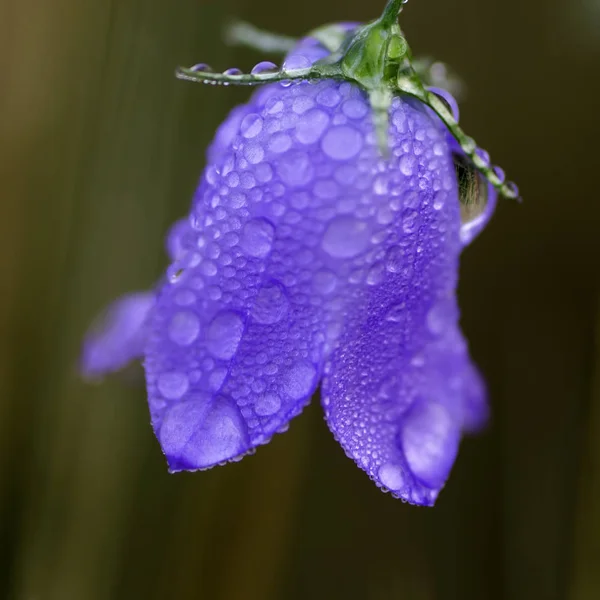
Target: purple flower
(310,259)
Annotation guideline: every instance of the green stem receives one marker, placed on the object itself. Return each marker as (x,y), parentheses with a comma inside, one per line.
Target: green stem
(391,12)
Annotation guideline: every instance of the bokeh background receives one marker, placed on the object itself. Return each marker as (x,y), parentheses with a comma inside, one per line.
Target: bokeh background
(100,150)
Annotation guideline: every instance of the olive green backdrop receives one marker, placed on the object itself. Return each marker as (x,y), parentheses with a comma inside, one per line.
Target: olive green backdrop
(100,150)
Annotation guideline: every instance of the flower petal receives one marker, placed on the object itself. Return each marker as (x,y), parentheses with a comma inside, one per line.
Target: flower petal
(400,387)
(119,336)
(229,365)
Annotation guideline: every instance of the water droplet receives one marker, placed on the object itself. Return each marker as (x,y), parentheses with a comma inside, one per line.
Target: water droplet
(381,185)
(342,142)
(430,442)
(484,156)
(440,148)
(324,282)
(185,298)
(499,172)
(407,164)
(271,303)
(388,390)
(254,153)
(296,169)
(439,200)
(296,61)
(232,71)
(346,237)
(257,237)
(391,476)
(329,97)
(184,328)
(251,125)
(264,173)
(209,268)
(203,434)
(173,386)
(202,68)
(397,313)
(264,67)
(299,380)
(302,104)
(385,215)
(280,143)
(375,274)
(410,221)
(267,405)
(224,334)
(355,108)
(216,378)
(247,180)
(311,126)
(441,316)
(448,99)
(513,189)
(418,360)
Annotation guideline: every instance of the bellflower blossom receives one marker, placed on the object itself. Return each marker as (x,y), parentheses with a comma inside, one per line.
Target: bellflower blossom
(321,248)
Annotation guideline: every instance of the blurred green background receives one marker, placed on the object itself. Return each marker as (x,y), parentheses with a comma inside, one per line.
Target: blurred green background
(100,150)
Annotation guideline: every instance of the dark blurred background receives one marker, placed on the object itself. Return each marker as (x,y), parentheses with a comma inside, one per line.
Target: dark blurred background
(100,150)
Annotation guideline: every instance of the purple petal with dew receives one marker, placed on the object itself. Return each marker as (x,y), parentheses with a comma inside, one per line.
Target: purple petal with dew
(307,256)
(306,247)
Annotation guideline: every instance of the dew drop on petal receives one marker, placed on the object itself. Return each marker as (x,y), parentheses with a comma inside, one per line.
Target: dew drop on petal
(299,380)
(185,298)
(324,281)
(410,220)
(407,164)
(375,274)
(202,434)
(279,143)
(311,125)
(346,237)
(184,328)
(397,313)
(395,259)
(179,425)
(173,386)
(251,126)
(253,153)
(257,237)
(329,96)
(430,442)
(355,108)
(391,476)
(271,304)
(441,316)
(224,334)
(342,142)
(302,104)
(267,405)
(295,169)
(216,378)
